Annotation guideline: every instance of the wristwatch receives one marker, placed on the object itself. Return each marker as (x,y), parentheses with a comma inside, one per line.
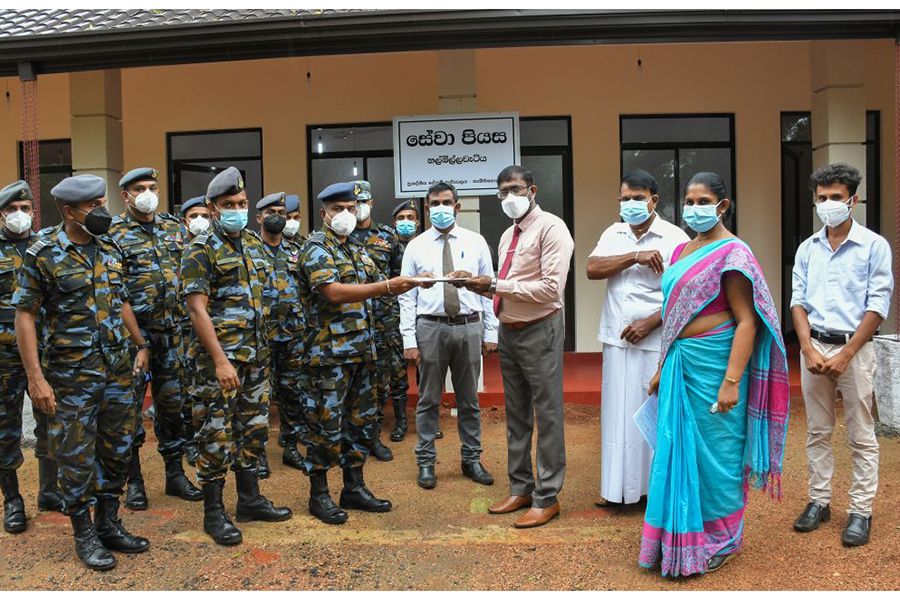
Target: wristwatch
(493,287)
(144,346)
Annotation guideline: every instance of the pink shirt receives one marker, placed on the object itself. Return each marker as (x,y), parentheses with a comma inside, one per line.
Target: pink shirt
(536,282)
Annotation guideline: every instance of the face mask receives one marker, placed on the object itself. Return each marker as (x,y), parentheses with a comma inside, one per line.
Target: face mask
(363,211)
(97,221)
(146,202)
(406,228)
(634,212)
(198,225)
(701,218)
(343,223)
(233,221)
(833,212)
(442,217)
(291,228)
(18,222)
(274,223)
(515,206)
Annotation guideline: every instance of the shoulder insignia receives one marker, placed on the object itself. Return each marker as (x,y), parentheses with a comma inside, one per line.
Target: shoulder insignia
(37,247)
(200,240)
(388,229)
(318,237)
(46,230)
(169,217)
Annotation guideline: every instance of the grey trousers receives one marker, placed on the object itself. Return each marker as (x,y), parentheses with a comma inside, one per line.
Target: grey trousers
(458,347)
(531,362)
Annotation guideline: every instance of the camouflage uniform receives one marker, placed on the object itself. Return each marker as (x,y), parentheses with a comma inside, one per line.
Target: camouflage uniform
(233,426)
(337,378)
(86,361)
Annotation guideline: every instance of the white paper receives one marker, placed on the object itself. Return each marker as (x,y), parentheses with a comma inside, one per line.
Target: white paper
(645,420)
(439,279)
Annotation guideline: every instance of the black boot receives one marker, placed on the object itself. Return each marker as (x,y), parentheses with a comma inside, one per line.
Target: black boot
(88,546)
(356,495)
(111,531)
(321,506)
(215,522)
(282,438)
(135,494)
(263,469)
(291,456)
(14,520)
(380,451)
(402,425)
(179,485)
(191,454)
(253,506)
(49,497)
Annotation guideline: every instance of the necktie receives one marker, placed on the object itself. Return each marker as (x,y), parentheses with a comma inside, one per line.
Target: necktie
(507,263)
(451,294)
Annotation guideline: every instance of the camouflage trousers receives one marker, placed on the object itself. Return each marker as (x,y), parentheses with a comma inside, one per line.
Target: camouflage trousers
(232,426)
(286,365)
(392,380)
(12,395)
(188,392)
(92,433)
(165,386)
(341,413)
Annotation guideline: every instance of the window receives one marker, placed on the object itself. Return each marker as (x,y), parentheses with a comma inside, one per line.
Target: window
(674,148)
(55,158)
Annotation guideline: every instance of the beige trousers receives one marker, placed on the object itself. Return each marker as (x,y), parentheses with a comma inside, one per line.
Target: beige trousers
(819,393)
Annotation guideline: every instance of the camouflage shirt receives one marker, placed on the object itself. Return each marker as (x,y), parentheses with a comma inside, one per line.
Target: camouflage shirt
(282,293)
(10,263)
(233,279)
(81,299)
(152,268)
(335,333)
(383,246)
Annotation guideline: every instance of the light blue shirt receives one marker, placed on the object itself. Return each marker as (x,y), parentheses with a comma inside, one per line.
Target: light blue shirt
(837,288)
(425,254)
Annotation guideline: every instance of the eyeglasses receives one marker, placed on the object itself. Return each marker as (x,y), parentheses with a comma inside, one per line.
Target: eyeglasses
(516,190)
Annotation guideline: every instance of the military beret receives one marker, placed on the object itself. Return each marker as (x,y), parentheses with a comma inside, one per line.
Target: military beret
(226,183)
(339,192)
(406,205)
(139,174)
(276,199)
(19,190)
(291,203)
(189,204)
(363,190)
(79,188)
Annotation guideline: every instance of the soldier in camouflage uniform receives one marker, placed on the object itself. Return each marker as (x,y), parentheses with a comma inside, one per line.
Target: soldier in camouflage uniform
(151,243)
(292,213)
(75,275)
(337,281)
(225,272)
(285,318)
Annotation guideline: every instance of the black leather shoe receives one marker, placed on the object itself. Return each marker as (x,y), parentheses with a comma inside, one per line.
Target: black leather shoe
(178,485)
(14,520)
(321,506)
(380,451)
(718,561)
(253,506)
(112,533)
(263,468)
(215,522)
(192,454)
(49,497)
(438,434)
(291,456)
(356,495)
(812,515)
(856,533)
(135,494)
(88,546)
(426,478)
(477,473)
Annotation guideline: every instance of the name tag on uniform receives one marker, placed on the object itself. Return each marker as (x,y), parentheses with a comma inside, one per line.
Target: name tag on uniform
(64,272)
(229,261)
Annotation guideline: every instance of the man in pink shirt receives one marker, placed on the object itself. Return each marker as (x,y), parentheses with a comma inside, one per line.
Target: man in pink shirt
(528,296)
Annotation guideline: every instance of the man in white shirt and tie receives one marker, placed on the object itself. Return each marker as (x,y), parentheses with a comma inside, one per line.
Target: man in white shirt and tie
(446,326)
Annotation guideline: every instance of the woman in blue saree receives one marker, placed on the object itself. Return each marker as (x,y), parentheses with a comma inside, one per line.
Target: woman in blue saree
(723,394)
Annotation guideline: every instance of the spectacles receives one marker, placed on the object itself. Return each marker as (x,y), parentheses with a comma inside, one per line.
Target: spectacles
(516,190)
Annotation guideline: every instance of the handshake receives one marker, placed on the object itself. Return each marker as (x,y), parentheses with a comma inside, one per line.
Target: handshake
(458,279)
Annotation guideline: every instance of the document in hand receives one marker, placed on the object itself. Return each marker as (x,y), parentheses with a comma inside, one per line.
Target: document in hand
(439,279)
(645,420)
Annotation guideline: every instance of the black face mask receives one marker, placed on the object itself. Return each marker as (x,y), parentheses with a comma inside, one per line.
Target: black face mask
(97,221)
(274,223)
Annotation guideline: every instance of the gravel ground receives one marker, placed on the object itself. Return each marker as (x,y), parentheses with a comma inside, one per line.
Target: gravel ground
(444,538)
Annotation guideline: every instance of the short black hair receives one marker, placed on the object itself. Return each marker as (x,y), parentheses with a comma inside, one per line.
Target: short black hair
(639,179)
(836,173)
(713,181)
(439,187)
(513,171)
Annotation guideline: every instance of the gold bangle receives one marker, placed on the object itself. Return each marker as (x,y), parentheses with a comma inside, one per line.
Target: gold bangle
(388,284)
(731,380)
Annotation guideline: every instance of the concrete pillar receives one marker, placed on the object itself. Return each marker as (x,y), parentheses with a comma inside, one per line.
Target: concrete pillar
(837,72)
(96,105)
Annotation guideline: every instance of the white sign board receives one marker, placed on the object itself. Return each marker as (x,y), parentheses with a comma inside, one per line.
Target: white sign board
(467,151)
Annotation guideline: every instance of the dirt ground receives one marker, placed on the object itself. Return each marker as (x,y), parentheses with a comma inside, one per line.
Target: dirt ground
(444,538)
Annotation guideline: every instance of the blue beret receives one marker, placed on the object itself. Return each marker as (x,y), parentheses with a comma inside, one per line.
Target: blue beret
(189,204)
(406,205)
(79,188)
(291,203)
(276,199)
(339,192)
(227,183)
(139,174)
(363,190)
(19,190)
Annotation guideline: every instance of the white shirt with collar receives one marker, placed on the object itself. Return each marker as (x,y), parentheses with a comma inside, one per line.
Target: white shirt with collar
(425,254)
(838,287)
(636,292)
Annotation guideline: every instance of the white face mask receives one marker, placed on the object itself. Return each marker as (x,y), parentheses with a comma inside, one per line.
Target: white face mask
(18,222)
(291,228)
(343,223)
(146,202)
(198,225)
(363,211)
(515,206)
(833,212)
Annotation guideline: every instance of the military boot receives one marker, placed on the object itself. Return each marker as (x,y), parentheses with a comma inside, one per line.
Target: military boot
(179,485)
(291,456)
(49,497)
(14,520)
(111,531)
(321,506)
(215,522)
(253,506)
(356,495)
(88,546)
(379,450)
(402,425)
(263,468)
(135,494)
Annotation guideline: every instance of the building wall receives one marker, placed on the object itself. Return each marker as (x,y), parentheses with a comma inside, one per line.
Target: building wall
(592,84)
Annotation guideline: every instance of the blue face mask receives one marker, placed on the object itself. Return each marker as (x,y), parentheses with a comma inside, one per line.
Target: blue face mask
(406,228)
(701,218)
(233,221)
(443,217)
(634,212)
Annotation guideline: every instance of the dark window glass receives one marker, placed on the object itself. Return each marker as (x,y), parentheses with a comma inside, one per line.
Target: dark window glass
(326,140)
(216,144)
(795,127)
(677,129)
(544,132)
